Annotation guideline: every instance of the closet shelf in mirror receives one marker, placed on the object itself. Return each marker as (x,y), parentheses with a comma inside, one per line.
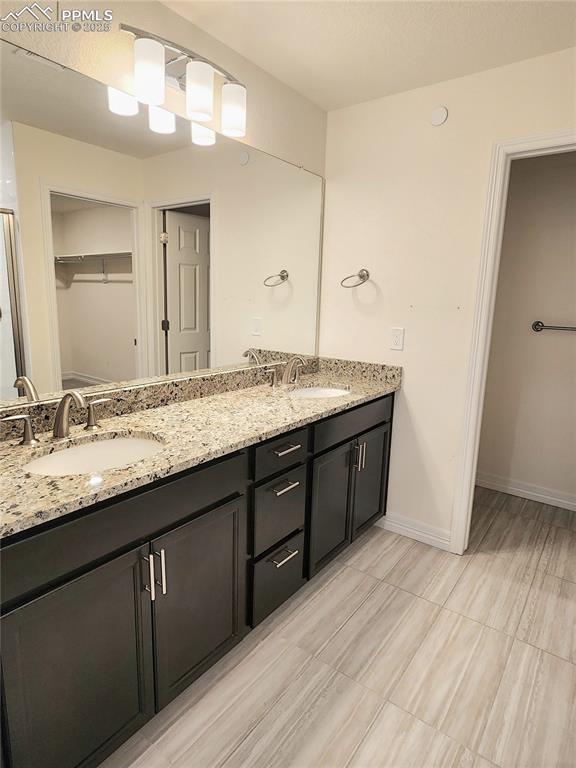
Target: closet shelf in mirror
(82,256)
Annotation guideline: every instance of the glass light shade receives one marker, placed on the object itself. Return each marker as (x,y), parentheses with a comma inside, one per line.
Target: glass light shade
(149,71)
(199,91)
(122,103)
(160,120)
(202,135)
(234,110)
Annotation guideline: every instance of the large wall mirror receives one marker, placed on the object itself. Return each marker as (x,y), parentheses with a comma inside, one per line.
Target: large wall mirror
(130,254)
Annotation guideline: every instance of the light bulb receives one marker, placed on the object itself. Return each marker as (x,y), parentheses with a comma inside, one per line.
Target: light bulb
(199,91)
(121,103)
(202,135)
(160,120)
(149,71)
(234,110)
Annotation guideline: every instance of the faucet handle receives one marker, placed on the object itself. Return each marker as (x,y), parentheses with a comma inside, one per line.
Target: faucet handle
(91,424)
(29,437)
(274,378)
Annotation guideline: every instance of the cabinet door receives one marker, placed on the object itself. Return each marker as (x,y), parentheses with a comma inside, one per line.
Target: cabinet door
(200,604)
(77,668)
(369,476)
(329,531)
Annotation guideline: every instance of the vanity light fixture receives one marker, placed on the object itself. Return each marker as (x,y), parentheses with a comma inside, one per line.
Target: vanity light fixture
(160,120)
(202,136)
(121,103)
(199,91)
(149,71)
(234,110)
(152,70)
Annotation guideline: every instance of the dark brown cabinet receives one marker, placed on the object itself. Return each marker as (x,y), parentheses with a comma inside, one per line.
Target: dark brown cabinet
(199,597)
(330,525)
(77,667)
(369,478)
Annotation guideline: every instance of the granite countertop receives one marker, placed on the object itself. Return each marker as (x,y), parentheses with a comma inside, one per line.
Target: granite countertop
(190,433)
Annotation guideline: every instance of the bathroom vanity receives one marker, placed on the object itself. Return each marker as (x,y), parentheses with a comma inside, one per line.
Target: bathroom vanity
(112,609)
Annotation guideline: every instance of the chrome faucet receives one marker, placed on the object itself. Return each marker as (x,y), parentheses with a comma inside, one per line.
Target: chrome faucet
(291,373)
(62,417)
(252,356)
(23,382)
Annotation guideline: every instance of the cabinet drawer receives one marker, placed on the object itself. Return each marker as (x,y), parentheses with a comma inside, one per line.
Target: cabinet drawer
(277,576)
(280,453)
(279,508)
(346,425)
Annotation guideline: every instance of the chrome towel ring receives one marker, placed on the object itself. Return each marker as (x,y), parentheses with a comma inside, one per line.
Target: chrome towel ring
(360,277)
(282,275)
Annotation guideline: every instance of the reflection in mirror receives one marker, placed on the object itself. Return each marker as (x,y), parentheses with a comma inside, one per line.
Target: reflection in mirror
(140,254)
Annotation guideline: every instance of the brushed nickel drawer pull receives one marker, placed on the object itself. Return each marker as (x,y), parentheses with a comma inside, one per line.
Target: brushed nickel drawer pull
(163,583)
(363,455)
(293,553)
(152,587)
(358,461)
(285,451)
(289,487)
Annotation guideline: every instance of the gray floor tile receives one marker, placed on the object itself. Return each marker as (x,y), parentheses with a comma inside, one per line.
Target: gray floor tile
(559,556)
(319,721)
(532,723)
(452,680)
(378,641)
(399,740)
(377,553)
(549,618)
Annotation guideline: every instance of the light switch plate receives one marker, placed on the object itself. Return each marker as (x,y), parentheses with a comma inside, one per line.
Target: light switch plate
(397,339)
(256,326)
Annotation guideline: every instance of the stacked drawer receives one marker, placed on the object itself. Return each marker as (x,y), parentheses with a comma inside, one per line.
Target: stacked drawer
(279,515)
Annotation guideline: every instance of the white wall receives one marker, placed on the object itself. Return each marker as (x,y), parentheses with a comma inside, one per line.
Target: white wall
(407,201)
(265,216)
(528,443)
(96,319)
(42,160)
(280,121)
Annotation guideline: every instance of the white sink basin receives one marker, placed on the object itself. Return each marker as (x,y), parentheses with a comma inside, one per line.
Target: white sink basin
(314,392)
(109,453)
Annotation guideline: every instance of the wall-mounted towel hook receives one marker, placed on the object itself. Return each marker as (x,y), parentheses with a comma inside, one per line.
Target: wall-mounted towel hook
(360,277)
(282,277)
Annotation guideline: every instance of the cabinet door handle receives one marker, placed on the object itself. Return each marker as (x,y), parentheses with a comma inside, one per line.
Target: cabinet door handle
(358,461)
(285,451)
(363,455)
(286,488)
(152,587)
(163,583)
(292,553)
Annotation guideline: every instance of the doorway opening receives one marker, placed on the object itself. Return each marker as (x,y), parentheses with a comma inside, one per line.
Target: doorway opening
(526,466)
(93,251)
(186,287)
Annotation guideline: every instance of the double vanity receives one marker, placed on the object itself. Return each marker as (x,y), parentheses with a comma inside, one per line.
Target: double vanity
(120,586)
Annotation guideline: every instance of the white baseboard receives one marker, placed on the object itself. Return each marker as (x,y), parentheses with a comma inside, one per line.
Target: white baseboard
(428,534)
(526,490)
(84,377)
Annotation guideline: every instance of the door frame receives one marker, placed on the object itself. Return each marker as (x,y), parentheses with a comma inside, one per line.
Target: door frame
(140,274)
(502,155)
(158,207)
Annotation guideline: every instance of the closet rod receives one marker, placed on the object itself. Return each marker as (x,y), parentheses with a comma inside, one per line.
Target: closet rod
(538,326)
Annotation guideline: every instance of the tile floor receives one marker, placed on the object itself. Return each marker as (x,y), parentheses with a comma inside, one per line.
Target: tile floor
(399,655)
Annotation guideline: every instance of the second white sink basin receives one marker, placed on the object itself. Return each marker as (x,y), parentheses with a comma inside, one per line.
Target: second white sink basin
(314,392)
(108,453)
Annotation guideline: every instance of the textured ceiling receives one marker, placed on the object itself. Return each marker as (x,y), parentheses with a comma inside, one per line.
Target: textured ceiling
(341,53)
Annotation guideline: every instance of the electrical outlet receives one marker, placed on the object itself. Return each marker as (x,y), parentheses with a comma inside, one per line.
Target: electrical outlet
(397,338)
